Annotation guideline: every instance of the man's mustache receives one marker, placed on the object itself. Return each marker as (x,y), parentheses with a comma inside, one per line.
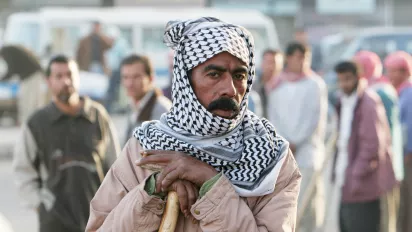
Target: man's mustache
(224,103)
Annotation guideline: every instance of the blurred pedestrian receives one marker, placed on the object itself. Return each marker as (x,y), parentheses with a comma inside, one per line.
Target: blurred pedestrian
(115,55)
(22,63)
(371,71)
(399,69)
(272,65)
(147,102)
(297,106)
(168,90)
(64,152)
(91,51)
(362,167)
(214,146)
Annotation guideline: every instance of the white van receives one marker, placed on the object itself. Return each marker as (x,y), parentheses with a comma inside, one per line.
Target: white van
(57,30)
(143,28)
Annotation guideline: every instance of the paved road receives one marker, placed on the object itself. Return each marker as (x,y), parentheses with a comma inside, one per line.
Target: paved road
(13,217)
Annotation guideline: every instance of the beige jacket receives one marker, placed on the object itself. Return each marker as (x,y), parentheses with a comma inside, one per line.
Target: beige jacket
(122,205)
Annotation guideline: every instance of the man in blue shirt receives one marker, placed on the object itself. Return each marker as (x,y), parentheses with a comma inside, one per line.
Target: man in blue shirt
(399,68)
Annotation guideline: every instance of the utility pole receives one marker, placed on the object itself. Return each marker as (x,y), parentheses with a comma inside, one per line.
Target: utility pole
(388,12)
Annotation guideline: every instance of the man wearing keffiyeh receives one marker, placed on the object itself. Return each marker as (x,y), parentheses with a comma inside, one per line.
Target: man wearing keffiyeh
(230,169)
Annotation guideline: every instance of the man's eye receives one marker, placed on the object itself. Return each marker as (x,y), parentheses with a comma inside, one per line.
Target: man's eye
(213,74)
(240,76)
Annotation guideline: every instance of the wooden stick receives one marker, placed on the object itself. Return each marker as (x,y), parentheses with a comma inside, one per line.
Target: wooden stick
(172,210)
(171,213)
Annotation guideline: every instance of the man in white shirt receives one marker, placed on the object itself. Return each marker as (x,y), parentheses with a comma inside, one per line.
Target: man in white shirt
(297,106)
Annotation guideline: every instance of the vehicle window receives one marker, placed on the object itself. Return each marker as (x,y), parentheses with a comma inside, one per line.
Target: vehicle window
(386,44)
(153,39)
(26,34)
(64,39)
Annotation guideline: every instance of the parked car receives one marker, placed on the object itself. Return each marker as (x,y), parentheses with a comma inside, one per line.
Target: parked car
(381,40)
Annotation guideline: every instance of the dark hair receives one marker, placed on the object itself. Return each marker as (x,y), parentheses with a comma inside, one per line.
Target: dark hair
(296,46)
(61,59)
(271,51)
(347,66)
(131,59)
(20,60)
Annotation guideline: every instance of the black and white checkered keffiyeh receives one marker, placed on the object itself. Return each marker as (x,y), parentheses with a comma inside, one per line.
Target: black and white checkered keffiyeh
(246,149)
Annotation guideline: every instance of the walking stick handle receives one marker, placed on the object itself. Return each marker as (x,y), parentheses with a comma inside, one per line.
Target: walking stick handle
(172,210)
(171,213)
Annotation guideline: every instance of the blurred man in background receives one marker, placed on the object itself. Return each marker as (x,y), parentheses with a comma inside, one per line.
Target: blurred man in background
(91,51)
(272,65)
(371,71)
(399,70)
(168,90)
(363,170)
(64,152)
(115,55)
(148,102)
(297,106)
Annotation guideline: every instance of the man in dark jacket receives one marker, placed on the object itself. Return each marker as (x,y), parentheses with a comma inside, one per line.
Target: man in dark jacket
(363,170)
(91,50)
(64,152)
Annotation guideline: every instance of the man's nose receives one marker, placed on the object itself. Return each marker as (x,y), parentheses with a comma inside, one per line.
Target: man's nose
(227,86)
(67,80)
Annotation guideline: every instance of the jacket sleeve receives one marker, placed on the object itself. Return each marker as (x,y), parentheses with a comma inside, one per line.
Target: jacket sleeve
(26,176)
(371,137)
(221,209)
(315,116)
(122,204)
(113,146)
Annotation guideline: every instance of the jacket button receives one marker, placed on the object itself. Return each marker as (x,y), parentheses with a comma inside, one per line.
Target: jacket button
(197,212)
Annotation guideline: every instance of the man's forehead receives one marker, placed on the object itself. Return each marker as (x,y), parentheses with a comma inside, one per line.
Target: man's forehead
(225,59)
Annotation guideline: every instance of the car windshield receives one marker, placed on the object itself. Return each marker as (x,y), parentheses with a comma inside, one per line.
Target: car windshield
(386,44)
(26,34)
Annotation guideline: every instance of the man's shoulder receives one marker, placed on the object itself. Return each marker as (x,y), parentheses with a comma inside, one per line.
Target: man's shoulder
(317,81)
(288,171)
(98,108)
(40,116)
(371,101)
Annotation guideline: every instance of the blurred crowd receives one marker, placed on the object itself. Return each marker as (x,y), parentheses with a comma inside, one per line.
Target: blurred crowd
(371,162)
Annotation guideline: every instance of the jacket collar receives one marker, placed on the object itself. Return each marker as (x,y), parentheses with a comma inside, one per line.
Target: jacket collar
(85,112)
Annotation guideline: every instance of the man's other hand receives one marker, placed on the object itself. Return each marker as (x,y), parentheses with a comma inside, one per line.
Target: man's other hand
(187,193)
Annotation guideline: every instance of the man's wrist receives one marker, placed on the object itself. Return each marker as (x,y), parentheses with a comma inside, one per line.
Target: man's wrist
(208,175)
(209,184)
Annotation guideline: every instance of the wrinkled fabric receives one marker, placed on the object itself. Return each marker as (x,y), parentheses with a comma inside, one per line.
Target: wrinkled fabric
(122,204)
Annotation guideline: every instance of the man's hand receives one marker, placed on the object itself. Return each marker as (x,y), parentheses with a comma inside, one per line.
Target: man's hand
(177,166)
(187,193)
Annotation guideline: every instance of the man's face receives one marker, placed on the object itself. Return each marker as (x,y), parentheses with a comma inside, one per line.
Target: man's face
(63,80)
(396,75)
(347,82)
(271,65)
(135,80)
(298,61)
(220,84)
